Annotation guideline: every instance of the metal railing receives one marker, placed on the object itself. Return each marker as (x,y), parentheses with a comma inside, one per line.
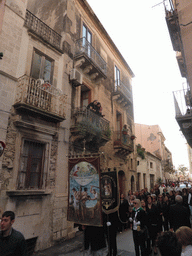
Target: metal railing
(183,102)
(43,96)
(83,46)
(91,120)
(122,139)
(120,87)
(42,30)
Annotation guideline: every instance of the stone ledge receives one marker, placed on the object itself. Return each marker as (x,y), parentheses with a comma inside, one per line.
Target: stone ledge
(29,193)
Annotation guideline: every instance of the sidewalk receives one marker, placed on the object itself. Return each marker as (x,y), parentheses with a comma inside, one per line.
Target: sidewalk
(65,247)
(72,247)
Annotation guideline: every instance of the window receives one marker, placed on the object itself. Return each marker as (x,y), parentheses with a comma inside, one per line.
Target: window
(151,165)
(137,162)
(87,40)
(87,34)
(31,173)
(42,67)
(117,77)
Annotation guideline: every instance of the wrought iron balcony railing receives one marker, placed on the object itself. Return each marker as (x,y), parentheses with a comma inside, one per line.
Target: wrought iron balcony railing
(44,98)
(90,122)
(120,87)
(122,139)
(42,30)
(84,47)
(183,102)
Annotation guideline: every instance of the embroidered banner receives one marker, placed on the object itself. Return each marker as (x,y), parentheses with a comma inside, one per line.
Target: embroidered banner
(84,203)
(109,192)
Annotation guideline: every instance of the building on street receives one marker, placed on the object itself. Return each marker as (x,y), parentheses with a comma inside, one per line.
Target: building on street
(148,169)
(57,59)
(179,23)
(158,157)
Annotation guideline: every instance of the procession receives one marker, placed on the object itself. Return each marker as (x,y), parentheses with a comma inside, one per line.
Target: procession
(95,157)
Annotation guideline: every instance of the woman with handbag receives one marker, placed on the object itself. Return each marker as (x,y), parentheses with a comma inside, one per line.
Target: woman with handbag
(138,223)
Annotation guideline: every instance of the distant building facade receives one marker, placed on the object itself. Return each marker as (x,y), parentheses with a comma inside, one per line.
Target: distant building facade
(151,138)
(148,170)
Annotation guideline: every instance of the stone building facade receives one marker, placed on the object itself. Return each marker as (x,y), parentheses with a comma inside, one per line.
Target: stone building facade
(148,170)
(179,24)
(57,59)
(151,138)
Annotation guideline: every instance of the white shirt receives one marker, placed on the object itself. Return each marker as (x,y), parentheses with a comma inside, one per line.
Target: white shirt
(187,251)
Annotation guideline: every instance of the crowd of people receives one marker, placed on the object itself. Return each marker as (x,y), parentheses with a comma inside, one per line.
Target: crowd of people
(160,221)
(149,214)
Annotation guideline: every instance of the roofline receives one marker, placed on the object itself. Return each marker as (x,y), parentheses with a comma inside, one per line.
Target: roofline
(153,155)
(88,8)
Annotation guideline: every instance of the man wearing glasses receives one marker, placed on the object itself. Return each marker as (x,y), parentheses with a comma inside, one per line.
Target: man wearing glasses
(138,221)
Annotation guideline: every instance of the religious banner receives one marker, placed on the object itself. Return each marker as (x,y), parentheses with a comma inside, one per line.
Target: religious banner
(109,192)
(84,205)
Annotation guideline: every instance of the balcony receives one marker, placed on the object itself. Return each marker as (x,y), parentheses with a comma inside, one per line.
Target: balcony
(174,29)
(89,60)
(183,110)
(122,94)
(89,128)
(123,144)
(167,166)
(39,28)
(38,98)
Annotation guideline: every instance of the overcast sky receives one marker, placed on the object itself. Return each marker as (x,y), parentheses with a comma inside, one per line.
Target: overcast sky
(138,29)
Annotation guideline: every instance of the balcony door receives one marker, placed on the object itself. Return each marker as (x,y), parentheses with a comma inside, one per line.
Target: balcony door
(87,40)
(119,125)
(42,67)
(117,78)
(85,96)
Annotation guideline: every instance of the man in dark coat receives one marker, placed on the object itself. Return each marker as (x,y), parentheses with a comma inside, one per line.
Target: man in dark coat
(12,242)
(139,223)
(179,215)
(123,213)
(111,225)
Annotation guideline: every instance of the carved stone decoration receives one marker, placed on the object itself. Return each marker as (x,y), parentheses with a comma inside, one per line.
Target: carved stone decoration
(87,69)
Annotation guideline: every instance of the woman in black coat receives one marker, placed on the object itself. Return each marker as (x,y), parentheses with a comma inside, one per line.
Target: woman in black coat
(153,222)
(166,207)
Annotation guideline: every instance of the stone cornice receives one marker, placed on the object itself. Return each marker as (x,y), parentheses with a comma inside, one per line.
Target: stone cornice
(8,75)
(36,127)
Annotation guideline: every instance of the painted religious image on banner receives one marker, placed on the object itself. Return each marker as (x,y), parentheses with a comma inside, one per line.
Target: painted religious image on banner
(109,192)
(84,194)
(106,187)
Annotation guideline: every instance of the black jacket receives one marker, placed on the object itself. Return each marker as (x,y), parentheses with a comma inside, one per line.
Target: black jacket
(141,216)
(13,245)
(179,215)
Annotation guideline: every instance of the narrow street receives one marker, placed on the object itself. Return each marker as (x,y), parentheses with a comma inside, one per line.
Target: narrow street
(72,247)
